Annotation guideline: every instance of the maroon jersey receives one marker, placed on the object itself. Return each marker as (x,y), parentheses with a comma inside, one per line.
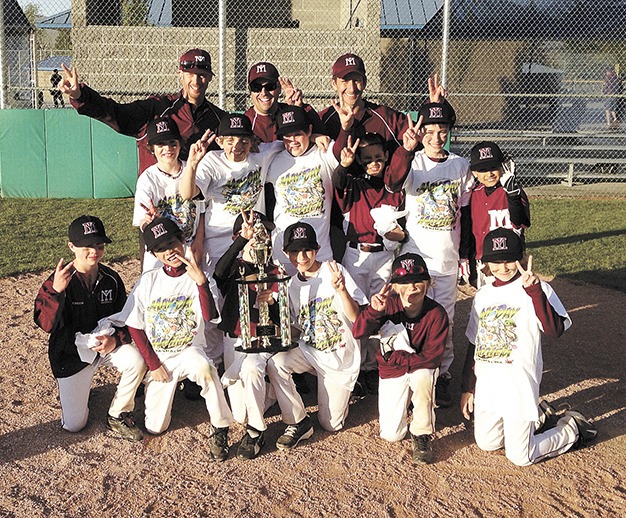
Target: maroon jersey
(264,126)
(132,118)
(427,332)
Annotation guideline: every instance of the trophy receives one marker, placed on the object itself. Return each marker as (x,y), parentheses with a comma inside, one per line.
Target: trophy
(269,336)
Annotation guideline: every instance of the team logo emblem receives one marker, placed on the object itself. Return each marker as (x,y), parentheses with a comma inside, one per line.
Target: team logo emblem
(350,62)
(436,112)
(299,233)
(499,243)
(260,69)
(407,264)
(200,59)
(161,127)
(485,153)
(89,228)
(158,230)
(289,117)
(106,296)
(236,123)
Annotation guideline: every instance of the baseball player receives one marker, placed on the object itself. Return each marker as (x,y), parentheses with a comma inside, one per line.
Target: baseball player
(266,85)
(504,364)
(157,192)
(73,303)
(189,108)
(165,315)
(413,331)
(324,303)
(497,199)
(437,187)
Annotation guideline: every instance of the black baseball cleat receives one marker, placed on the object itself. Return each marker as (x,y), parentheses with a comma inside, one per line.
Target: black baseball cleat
(125,426)
(250,447)
(586,431)
(443,399)
(422,449)
(294,433)
(219,443)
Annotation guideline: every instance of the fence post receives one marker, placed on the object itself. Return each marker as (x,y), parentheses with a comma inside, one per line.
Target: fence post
(445,39)
(3,56)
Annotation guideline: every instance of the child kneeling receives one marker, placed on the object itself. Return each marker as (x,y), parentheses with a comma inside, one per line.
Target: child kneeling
(414,330)
(165,315)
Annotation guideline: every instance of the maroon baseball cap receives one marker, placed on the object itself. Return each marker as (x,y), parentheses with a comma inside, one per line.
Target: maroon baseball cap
(263,70)
(347,64)
(196,61)
(409,268)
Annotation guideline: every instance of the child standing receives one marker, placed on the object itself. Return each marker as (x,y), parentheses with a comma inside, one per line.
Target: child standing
(504,364)
(437,187)
(417,326)
(245,372)
(324,303)
(157,192)
(165,315)
(72,300)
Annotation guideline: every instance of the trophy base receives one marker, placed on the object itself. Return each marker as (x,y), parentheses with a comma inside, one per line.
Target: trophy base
(276,346)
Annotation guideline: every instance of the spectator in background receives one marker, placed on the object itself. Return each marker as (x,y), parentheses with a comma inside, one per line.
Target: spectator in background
(56,94)
(612,86)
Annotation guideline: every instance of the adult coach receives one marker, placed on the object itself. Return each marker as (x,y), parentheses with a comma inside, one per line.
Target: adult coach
(266,85)
(189,108)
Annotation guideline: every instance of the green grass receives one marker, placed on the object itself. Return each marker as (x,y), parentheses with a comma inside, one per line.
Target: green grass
(34,231)
(582,240)
(578,239)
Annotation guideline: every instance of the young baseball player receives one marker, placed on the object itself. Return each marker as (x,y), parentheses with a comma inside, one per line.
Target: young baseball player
(165,314)
(437,187)
(73,301)
(299,183)
(245,373)
(324,303)
(504,364)
(497,199)
(157,192)
(372,243)
(413,332)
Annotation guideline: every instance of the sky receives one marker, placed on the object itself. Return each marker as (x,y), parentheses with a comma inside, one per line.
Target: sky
(48,7)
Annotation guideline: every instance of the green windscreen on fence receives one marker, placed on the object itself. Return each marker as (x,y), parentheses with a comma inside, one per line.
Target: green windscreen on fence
(60,154)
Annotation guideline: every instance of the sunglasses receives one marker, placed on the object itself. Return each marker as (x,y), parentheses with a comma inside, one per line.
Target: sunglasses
(187,65)
(258,87)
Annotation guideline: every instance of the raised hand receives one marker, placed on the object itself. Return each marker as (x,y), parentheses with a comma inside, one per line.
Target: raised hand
(412,135)
(62,276)
(321,141)
(436,91)
(338,280)
(348,153)
(69,85)
(198,149)
(247,226)
(151,213)
(528,277)
(193,270)
(379,300)
(346,115)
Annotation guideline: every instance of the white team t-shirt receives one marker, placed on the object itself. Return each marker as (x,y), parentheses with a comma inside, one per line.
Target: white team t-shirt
(505,329)
(435,193)
(326,339)
(228,187)
(303,189)
(168,309)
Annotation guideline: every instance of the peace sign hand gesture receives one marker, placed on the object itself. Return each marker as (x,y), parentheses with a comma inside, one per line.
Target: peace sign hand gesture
(528,277)
(151,213)
(62,276)
(247,226)
(69,85)
(346,115)
(338,280)
(411,136)
(436,91)
(348,153)
(379,301)
(293,95)
(198,149)
(193,270)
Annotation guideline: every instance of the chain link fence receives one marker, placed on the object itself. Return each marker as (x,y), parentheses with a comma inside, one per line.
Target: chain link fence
(540,77)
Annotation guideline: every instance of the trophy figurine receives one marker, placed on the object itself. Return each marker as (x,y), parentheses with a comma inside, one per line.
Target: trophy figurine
(268,336)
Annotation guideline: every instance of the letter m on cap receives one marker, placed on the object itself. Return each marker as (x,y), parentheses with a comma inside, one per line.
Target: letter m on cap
(499,243)
(350,62)
(89,228)
(158,230)
(485,153)
(260,69)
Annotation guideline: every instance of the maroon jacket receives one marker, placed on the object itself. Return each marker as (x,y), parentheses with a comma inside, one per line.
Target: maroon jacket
(264,126)
(132,118)
(428,333)
(77,309)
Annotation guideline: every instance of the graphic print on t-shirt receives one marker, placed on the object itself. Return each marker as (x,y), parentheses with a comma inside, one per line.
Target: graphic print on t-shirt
(172,323)
(303,192)
(182,212)
(497,334)
(322,328)
(437,205)
(243,192)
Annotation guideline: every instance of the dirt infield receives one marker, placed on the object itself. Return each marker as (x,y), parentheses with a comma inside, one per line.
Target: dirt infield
(45,471)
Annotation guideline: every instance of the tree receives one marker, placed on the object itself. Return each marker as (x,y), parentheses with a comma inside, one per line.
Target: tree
(135,12)
(63,41)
